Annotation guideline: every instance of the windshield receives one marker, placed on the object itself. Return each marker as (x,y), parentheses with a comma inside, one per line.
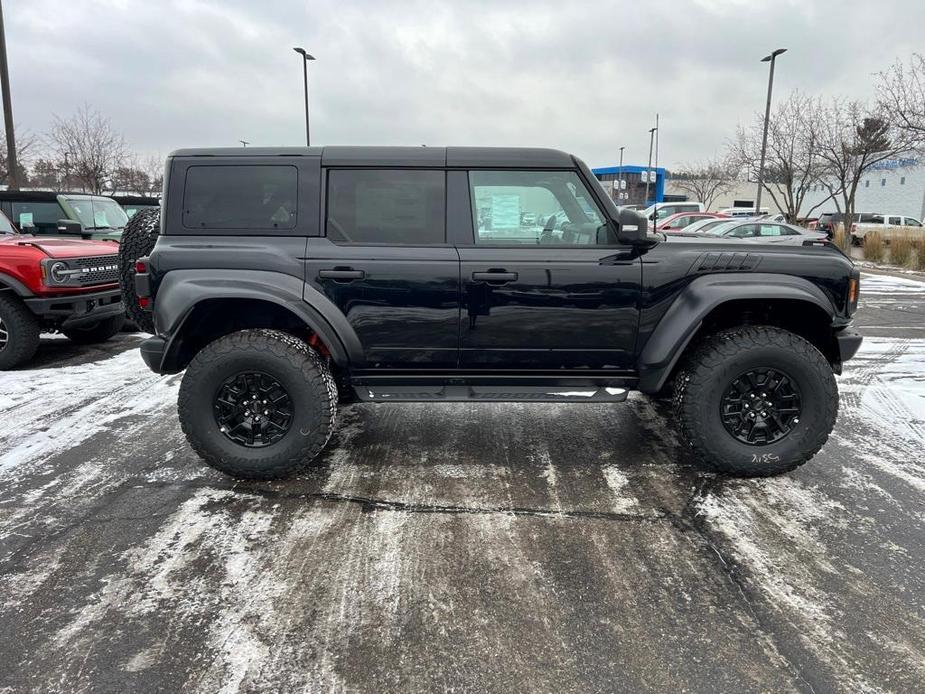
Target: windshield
(6,227)
(98,213)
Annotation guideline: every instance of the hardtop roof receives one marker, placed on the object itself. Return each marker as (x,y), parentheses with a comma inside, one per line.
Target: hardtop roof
(525,157)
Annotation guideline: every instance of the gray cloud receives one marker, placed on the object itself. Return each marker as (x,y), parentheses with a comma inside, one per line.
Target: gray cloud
(586,77)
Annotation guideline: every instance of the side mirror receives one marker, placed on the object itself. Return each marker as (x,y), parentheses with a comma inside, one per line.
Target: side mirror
(69,226)
(633,227)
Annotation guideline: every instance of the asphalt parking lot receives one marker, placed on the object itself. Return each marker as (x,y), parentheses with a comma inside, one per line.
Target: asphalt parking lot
(461,547)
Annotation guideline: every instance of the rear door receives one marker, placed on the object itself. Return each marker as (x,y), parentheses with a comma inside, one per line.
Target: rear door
(558,294)
(385,262)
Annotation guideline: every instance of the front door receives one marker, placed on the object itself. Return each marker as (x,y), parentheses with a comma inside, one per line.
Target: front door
(545,283)
(386,265)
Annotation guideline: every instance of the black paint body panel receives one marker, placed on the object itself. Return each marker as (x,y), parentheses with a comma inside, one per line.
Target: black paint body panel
(622,312)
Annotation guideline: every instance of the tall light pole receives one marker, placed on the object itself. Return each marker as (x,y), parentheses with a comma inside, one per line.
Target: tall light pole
(620,175)
(12,179)
(649,168)
(767,117)
(244,143)
(657,133)
(305,58)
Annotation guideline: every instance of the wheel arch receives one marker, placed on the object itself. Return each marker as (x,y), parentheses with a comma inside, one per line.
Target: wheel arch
(195,308)
(714,302)
(11,283)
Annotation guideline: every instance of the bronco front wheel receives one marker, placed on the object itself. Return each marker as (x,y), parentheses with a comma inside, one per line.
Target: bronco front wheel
(756,401)
(258,404)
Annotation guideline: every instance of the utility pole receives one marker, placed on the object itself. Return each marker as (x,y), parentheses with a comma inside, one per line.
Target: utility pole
(649,167)
(12,165)
(620,175)
(244,143)
(767,117)
(656,158)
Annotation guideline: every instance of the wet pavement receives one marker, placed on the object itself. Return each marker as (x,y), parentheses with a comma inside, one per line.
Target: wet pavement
(489,547)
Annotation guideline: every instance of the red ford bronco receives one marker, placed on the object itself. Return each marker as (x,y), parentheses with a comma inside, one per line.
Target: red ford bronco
(53,284)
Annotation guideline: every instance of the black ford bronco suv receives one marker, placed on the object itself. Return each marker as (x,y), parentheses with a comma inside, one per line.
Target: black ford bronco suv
(285,281)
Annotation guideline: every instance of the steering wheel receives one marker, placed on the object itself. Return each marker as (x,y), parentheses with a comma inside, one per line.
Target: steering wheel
(333,223)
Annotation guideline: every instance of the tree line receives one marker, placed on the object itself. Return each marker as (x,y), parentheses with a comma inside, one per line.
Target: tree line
(82,152)
(815,141)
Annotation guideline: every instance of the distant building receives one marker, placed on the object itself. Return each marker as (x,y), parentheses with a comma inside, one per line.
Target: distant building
(627,184)
(894,186)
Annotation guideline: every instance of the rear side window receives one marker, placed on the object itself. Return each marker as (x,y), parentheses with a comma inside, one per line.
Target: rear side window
(394,207)
(240,197)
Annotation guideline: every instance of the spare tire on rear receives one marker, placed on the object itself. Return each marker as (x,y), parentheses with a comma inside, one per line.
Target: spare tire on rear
(138,240)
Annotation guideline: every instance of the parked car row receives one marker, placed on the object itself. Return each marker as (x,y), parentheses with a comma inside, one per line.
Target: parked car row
(59,269)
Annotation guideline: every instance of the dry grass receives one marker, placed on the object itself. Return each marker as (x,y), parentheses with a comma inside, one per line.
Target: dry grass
(838,236)
(873,247)
(918,263)
(901,249)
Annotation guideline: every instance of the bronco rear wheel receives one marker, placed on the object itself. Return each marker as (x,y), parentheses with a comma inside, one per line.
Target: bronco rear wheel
(756,401)
(137,241)
(258,404)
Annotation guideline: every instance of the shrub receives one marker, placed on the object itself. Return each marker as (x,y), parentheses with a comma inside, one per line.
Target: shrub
(873,247)
(838,236)
(901,249)
(919,262)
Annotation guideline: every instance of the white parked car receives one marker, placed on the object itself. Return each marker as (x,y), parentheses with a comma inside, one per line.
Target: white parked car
(762,231)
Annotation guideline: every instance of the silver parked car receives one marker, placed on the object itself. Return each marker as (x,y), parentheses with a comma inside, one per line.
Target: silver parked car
(762,231)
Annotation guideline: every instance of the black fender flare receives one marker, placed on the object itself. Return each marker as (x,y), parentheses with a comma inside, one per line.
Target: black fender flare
(8,282)
(685,315)
(180,291)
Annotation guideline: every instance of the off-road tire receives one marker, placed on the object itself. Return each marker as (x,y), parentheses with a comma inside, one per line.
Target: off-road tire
(94,333)
(299,369)
(22,330)
(724,356)
(137,241)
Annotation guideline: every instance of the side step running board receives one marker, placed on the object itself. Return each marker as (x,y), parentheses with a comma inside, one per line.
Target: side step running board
(472,393)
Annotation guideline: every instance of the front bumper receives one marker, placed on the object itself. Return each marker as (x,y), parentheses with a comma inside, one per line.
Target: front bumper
(77,309)
(849,342)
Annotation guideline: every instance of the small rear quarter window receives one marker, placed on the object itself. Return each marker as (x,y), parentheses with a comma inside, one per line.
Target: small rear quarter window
(240,197)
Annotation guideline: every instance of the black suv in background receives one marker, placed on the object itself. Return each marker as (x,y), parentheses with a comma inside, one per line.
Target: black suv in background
(829,220)
(47,213)
(133,204)
(286,281)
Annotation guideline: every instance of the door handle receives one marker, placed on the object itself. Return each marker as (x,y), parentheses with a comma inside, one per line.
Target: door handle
(495,276)
(341,274)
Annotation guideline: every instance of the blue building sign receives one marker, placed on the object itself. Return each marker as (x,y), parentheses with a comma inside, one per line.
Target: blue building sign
(627,184)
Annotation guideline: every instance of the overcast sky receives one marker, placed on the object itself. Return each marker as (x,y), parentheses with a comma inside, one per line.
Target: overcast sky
(586,77)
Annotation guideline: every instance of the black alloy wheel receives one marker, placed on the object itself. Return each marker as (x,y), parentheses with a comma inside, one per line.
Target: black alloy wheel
(253,409)
(761,406)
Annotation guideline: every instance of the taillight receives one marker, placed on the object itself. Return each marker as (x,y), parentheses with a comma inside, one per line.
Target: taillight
(140,267)
(144,301)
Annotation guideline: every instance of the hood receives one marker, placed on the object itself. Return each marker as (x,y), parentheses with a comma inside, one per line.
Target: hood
(62,248)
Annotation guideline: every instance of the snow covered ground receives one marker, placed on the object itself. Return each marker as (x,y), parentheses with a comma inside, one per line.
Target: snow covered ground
(476,547)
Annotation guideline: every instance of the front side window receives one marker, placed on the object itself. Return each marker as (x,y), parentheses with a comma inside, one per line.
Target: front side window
(401,207)
(744,231)
(37,217)
(240,197)
(535,208)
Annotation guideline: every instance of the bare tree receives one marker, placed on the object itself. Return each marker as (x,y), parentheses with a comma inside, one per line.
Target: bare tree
(852,139)
(901,96)
(25,148)
(792,164)
(153,166)
(706,181)
(44,173)
(90,145)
